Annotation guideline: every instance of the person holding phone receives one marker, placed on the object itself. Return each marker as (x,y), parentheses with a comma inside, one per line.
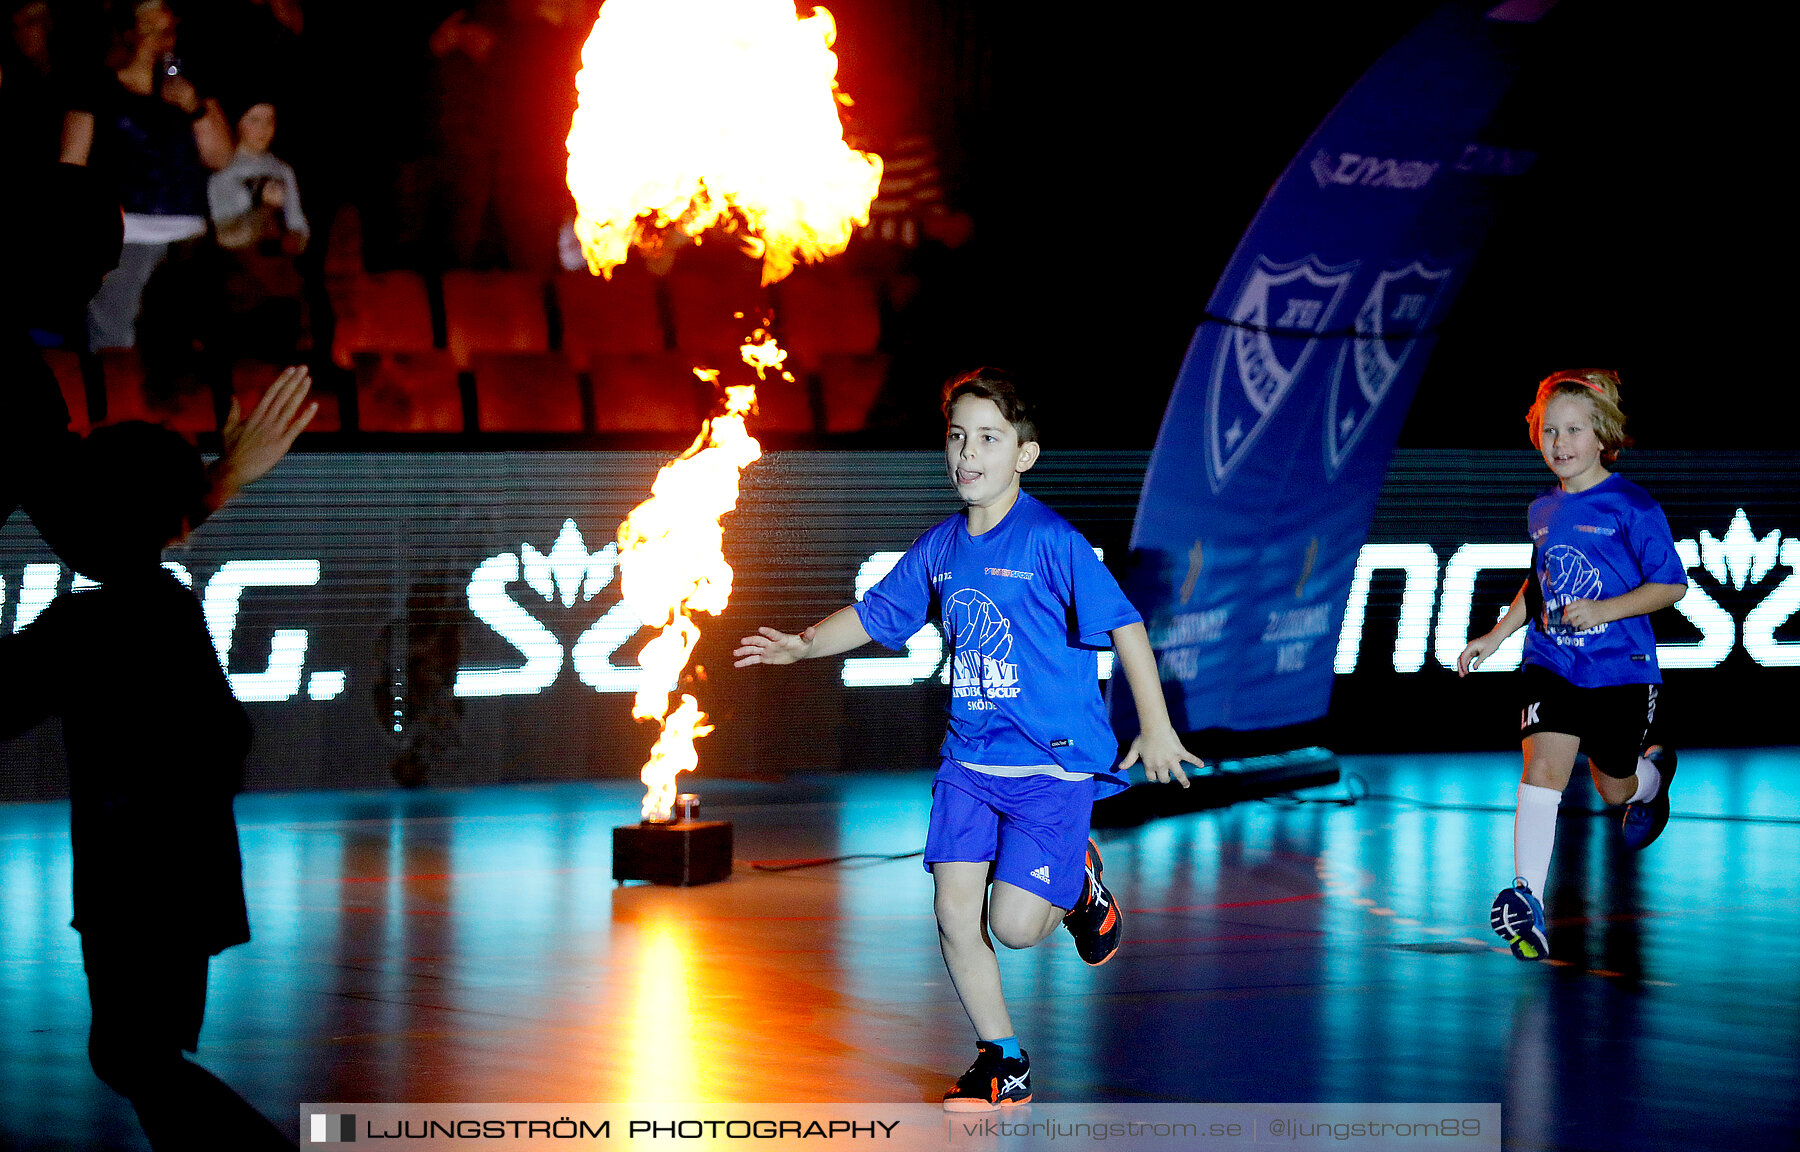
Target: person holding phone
(152,132)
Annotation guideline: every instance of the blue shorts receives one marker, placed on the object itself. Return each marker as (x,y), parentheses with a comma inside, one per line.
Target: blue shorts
(1033,828)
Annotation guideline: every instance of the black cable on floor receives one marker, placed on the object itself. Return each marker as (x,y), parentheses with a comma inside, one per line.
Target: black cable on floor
(1356,789)
(1609,812)
(820,862)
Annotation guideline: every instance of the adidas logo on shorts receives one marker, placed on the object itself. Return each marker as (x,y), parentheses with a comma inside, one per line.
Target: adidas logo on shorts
(1042,873)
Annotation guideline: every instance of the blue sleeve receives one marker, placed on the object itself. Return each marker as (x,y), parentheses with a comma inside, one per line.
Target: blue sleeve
(1096,604)
(899,605)
(1653,546)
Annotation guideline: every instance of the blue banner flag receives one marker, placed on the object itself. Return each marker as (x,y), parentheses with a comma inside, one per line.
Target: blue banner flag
(1283,418)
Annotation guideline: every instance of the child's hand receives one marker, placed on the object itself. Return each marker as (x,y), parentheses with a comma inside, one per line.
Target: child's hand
(256,444)
(771,647)
(1163,755)
(1479,649)
(1584,614)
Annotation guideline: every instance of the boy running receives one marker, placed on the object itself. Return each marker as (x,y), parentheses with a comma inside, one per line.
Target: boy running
(1027,607)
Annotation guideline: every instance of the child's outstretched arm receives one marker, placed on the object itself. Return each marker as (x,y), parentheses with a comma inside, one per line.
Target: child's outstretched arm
(1156,744)
(256,443)
(1482,647)
(1640,601)
(838,632)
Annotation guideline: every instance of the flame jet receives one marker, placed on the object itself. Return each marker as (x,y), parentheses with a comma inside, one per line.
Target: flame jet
(697,115)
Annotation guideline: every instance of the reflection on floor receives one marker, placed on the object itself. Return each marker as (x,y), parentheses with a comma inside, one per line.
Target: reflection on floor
(471,946)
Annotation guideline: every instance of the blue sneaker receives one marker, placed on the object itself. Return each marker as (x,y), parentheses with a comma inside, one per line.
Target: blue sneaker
(1518,919)
(1645,821)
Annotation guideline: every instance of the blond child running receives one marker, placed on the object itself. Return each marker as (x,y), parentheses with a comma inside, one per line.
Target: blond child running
(1603,559)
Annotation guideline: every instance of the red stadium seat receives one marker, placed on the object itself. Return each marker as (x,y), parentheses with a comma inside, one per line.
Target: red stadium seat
(123,374)
(67,367)
(408,392)
(526,392)
(782,406)
(645,394)
(848,385)
(715,303)
(343,244)
(251,378)
(826,311)
(617,317)
(493,312)
(381,312)
(126,399)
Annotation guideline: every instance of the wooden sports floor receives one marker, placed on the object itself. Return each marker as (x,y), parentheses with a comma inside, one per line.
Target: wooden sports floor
(450,946)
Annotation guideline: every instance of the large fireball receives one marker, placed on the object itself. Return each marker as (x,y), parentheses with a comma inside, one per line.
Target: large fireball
(695,113)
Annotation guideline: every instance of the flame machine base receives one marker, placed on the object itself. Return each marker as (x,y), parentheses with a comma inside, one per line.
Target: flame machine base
(682,853)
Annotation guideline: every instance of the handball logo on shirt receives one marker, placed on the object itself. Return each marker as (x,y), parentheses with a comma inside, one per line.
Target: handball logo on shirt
(1279,312)
(1396,309)
(1567,575)
(983,639)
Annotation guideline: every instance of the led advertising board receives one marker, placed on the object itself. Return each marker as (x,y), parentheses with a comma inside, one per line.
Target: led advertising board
(454,618)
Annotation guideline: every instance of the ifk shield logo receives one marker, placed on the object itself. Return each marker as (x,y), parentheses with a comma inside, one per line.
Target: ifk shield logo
(1275,325)
(1398,307)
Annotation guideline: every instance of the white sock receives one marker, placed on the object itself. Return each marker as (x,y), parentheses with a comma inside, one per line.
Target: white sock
(1649,778)
(1534,835)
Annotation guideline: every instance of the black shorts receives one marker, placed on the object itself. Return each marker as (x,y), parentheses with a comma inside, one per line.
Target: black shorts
(1612,723)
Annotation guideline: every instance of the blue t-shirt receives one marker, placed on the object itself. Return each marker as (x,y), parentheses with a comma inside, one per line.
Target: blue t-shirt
(1594,545)
(1027,607)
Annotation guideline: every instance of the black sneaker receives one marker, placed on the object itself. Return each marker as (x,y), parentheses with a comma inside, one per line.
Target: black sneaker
(1644,822)
(1095,922)
(993,1081)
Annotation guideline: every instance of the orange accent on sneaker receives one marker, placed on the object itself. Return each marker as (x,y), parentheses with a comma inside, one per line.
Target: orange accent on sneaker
(1112,917)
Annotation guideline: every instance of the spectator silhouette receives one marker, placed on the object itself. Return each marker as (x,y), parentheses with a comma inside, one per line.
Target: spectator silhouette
(46,272)
(30,109)
(156,136)
(255,205)
(465,165)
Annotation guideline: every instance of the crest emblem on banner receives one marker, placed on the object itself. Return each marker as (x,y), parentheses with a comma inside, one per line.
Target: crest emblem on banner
(1397,308)
(1275,324)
